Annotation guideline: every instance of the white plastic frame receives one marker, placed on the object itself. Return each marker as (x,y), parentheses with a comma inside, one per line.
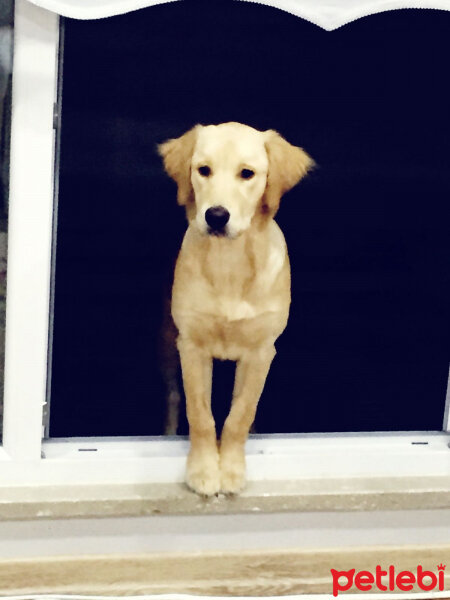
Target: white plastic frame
(30,226)
(24,458)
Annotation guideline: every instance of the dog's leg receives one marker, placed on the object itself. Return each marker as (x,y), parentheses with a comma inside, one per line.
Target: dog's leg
(169,365)
(173,400)
(251,373)
(202,472)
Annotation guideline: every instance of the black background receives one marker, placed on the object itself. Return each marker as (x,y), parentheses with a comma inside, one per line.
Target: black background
(367,344)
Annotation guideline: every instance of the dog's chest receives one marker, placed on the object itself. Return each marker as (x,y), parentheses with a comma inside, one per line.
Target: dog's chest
(232,295)
(235,309)
(238,285)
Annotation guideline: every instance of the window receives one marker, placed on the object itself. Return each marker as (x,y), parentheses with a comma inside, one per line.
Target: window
(366,348)
(367,338)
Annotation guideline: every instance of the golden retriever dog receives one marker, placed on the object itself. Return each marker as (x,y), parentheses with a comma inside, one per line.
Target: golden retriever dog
(231,291)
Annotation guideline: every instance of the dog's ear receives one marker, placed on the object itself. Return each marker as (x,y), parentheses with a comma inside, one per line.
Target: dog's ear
(177,154)
(287,165)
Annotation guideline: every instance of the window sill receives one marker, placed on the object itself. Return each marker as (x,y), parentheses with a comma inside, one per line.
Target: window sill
(119,477)
(121,500)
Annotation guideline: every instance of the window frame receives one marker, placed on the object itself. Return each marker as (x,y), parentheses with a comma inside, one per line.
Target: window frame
(28,460)
(29,229)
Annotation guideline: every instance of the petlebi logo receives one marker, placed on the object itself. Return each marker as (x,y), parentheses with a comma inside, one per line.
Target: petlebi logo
(388,580)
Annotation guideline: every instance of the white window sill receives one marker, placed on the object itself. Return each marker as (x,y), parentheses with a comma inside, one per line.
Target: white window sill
(137,477)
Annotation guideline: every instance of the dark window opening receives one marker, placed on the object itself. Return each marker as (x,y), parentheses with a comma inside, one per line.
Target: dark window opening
(367,343)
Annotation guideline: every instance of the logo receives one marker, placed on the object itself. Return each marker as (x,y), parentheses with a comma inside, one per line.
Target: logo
(403,580)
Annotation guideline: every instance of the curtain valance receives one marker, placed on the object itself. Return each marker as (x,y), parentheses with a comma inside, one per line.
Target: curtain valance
(328,14)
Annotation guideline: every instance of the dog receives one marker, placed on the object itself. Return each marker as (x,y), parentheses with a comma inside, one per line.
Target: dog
(231,289)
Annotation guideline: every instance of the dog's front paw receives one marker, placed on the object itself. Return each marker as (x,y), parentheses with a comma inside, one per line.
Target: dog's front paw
(203,473)
(232,473)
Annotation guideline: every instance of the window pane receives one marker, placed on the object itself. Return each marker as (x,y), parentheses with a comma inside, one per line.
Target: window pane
(366,347)
(6,51)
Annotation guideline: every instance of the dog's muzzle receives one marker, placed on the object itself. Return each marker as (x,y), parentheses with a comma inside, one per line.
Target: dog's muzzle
(217,217)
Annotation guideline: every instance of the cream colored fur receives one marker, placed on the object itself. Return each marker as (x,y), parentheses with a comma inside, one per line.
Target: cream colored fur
(231,293)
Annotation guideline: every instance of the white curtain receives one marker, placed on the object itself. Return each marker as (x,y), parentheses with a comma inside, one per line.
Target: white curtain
(328,14)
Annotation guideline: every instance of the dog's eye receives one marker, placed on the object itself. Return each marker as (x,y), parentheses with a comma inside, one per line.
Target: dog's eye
(247,173)
(204,171)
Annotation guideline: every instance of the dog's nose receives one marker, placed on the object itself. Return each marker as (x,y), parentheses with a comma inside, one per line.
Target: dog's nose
(217,217)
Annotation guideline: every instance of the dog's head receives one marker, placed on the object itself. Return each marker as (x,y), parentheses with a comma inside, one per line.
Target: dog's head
(230,173)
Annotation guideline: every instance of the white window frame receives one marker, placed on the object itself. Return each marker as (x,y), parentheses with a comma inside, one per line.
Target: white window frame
(27,460)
